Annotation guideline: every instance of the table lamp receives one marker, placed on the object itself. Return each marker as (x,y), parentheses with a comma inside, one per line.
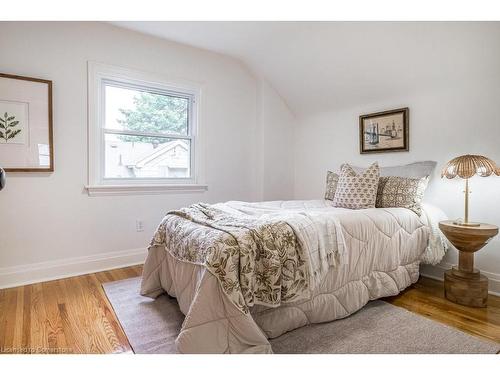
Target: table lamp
(466,166)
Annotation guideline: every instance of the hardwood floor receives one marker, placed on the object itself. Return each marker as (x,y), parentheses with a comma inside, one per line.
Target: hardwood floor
(69,315)
(73,315)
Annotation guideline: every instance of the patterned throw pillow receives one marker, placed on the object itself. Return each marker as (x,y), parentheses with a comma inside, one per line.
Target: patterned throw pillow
(401,192)
(332,180)
(357,191)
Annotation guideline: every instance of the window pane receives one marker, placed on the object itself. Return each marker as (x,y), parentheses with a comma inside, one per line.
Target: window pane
(130,109)
(129,156)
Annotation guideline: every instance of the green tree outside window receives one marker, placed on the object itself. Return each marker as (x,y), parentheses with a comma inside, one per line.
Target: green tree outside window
(155,114)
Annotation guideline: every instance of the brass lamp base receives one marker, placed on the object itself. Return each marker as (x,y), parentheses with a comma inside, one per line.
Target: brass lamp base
(466,222)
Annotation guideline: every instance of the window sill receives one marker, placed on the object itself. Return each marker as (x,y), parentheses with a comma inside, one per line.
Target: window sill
(101,190)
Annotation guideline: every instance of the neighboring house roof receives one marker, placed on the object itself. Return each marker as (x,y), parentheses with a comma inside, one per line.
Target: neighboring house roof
(125,159)
(160,155)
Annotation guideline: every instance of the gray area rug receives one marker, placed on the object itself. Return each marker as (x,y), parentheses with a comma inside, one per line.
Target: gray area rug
(152,326)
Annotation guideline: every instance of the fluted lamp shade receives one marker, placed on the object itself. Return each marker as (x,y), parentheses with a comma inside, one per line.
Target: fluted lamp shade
(466,166)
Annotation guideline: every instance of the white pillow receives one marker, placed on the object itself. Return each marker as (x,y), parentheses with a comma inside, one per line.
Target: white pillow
(357,191)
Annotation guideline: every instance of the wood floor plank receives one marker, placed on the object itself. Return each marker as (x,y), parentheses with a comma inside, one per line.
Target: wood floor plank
(3,316)
(74,314)
(55,333)
(38,333)
(99,311)
(26,329)
(17,341)
(103,277)
(97,342)
(76,317)
(110,322)
(7,336)
(74,342)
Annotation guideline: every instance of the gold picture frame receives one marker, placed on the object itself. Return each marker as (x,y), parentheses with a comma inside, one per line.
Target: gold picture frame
(386,131)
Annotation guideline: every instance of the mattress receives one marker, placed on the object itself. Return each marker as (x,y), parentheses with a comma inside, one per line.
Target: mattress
(373,253)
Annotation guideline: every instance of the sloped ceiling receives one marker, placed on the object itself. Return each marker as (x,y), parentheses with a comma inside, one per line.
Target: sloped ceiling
(327,66)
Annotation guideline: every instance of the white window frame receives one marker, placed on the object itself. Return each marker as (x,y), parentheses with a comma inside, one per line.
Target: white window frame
(99,75)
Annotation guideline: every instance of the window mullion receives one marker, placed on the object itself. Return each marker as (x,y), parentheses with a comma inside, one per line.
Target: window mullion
(146,134)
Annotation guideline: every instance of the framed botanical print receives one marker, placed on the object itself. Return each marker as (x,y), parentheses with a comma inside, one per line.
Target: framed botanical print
(26,143)
(386,131)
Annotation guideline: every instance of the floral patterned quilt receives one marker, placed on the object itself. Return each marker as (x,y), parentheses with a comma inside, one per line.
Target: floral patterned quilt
(256,261)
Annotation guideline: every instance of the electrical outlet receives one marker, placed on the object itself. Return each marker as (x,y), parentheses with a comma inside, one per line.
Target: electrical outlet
(139,225)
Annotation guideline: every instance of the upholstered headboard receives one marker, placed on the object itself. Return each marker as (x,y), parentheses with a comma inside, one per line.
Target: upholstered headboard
(413,170)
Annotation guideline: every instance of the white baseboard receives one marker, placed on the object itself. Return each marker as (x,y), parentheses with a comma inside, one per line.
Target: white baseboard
(60,269)
(437,272)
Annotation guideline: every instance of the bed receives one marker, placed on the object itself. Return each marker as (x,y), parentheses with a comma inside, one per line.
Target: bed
(244,273)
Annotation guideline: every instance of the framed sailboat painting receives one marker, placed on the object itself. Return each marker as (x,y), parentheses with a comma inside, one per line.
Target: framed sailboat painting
(386,131)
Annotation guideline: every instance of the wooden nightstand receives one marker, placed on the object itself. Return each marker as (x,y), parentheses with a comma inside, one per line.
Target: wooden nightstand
(465,284)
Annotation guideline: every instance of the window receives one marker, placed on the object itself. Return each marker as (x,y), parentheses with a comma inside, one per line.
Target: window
(142,133)
(146,133)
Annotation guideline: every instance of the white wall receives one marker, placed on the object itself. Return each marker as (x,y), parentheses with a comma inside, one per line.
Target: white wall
(454,119)
(48,223)
(277,127)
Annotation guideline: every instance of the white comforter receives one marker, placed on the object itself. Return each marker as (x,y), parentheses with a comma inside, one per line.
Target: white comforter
(318,229)
(355,256)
